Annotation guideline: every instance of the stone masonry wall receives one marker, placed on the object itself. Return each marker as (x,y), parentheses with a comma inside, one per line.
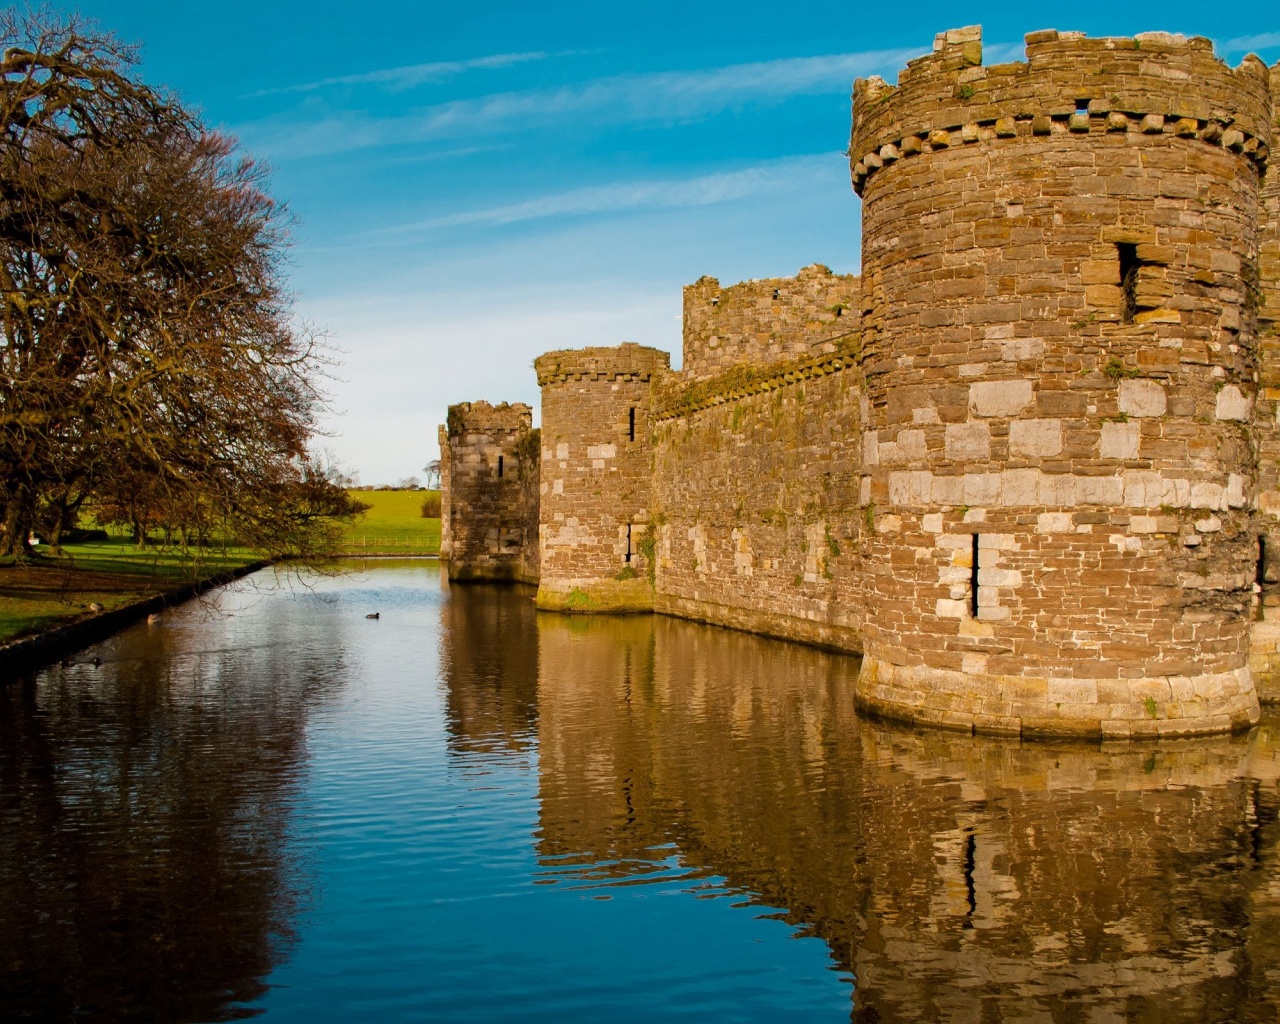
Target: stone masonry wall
(1060,355)
(489,486)
(758,323)
(756,509)
(1265,655)
(596,477)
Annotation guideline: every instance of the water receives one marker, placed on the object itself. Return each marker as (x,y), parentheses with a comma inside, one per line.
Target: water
(268,804)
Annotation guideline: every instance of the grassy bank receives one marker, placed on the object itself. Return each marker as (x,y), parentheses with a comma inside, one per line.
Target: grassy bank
(113,573)
(392,526)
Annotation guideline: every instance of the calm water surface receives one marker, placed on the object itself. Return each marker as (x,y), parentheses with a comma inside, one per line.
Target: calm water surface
(270,805)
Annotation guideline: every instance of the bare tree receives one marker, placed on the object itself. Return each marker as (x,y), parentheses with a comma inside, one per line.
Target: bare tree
(146,331)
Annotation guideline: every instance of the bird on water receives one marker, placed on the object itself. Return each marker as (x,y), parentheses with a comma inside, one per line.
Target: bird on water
(374,615)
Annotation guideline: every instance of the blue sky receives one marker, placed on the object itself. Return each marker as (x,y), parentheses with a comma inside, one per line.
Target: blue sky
(476,184)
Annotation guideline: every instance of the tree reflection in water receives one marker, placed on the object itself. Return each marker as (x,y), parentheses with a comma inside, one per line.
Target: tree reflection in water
(953,877)
(145,871)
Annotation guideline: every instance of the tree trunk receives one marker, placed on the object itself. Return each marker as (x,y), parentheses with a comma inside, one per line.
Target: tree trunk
(17,526)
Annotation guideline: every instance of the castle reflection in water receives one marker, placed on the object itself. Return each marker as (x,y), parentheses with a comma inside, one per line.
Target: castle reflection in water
(953,877)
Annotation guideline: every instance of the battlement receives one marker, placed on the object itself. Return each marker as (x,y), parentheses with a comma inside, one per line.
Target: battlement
(627,361)
(774,320)
(483,418)
(1154,83)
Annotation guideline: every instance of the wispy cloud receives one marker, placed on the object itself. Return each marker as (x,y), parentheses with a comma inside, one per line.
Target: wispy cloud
(409,75)
(620,197)
(1243,44)
(668,96)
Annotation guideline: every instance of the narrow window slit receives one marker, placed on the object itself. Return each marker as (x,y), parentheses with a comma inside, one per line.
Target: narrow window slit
(629,536)
(499,465)
(973,579)
(1128,278)
(631,427)
(1261,576)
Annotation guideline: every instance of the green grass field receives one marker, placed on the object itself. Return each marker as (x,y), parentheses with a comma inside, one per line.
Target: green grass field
(112,573)
(393,526)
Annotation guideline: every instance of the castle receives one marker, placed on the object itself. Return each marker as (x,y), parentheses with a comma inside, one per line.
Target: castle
(1026,464)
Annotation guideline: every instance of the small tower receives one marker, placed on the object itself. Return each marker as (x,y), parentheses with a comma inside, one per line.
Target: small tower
(596,478)
(1060,346)
(489,492)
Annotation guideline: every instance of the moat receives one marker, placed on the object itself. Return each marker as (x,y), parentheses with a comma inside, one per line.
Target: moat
(268,804)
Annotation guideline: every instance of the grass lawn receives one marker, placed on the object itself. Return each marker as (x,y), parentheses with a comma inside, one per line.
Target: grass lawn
(111,572)
(393,526)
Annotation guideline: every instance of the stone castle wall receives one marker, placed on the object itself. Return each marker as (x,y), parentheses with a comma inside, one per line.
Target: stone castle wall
(758,523)
(596,477)
(1024,461)
(1265,657)
(1060,352)
(488,483)
(758,323)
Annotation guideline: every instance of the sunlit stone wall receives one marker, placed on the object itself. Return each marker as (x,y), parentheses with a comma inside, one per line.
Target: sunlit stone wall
(488,492)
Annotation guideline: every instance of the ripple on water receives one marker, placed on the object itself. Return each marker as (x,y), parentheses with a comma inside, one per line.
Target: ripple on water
(268,804)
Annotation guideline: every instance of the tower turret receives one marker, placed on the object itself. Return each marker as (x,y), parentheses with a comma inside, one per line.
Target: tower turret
(1058,263)
(596,478)
(489,492)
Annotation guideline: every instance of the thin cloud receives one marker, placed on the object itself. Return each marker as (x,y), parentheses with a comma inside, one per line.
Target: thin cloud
(1242,44)
(409,75)
(621,197)
(667,96)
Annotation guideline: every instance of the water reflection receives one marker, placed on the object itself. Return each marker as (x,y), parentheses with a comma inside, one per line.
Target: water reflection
(489,662)
(287,808)
(952,877)
(146,871)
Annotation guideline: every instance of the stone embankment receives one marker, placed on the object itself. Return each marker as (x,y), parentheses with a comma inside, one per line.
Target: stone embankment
(31,652)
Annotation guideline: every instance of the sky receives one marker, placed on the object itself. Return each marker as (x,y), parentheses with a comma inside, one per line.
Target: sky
(472,185)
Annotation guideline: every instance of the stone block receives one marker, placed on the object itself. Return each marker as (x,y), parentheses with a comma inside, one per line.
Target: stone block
(1020,487)
(1142,398)
(1054,522)
(999,397)
(965,441)
(981,488)
(1232,404)
(1120,440)
(1035,438)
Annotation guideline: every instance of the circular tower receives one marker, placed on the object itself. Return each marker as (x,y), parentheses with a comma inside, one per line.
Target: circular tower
(1059,333)
(596,483)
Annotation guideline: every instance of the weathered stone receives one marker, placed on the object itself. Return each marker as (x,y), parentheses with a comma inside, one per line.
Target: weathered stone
(1231,404)
(1035,438)
(1142,398)
(968,441)
(999,397)
(1119,440)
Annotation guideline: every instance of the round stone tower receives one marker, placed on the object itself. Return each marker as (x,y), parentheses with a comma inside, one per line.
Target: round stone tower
(1060,265)
(596,478)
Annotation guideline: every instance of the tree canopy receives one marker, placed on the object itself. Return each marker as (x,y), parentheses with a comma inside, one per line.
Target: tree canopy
(150,355)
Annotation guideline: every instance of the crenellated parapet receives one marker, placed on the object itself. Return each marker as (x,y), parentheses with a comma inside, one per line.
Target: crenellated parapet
(628,363)
(758,323)
(1155,83)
